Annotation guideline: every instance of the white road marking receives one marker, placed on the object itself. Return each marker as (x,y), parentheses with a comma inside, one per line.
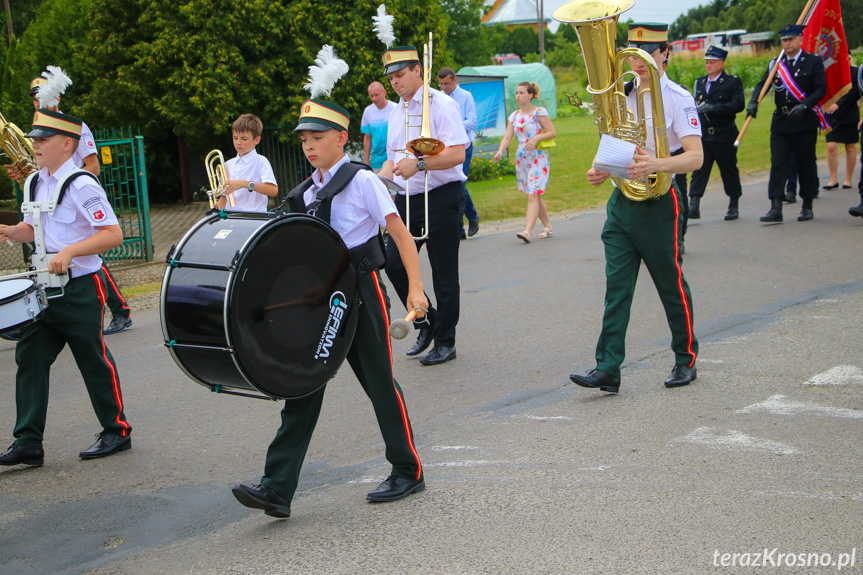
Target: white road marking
(547,417)
(828,495)
(452,447)
(781,405)
(463,463)
(600,468)
(839,375)
(713,437)
(710,360)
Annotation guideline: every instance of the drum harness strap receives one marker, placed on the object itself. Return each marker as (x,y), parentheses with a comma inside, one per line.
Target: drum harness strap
(367,257)
(28,206)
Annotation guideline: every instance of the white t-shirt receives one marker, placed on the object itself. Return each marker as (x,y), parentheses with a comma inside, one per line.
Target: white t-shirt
(360,209)
(446,126)
(255,168)
(83,209)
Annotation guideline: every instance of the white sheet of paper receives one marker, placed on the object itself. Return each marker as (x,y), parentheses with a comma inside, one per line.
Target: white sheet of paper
(614,156)
(393,187)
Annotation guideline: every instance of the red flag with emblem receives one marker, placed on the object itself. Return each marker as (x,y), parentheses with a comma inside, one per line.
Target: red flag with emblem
(824,35)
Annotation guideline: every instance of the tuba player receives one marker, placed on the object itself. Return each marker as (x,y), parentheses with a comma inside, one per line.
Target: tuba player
(648,230)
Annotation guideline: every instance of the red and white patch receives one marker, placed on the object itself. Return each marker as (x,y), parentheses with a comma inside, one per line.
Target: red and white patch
(97,211)
(91,144)
(692,117)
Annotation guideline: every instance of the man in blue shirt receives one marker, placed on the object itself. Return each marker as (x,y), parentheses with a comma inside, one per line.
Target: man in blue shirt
(449,85)
(374,126)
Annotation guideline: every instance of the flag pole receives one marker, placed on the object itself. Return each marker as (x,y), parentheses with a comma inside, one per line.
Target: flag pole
(770,76)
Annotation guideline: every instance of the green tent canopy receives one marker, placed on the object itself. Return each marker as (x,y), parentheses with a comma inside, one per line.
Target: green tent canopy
(514,74)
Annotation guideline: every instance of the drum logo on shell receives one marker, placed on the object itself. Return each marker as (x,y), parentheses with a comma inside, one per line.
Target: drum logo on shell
(338,308)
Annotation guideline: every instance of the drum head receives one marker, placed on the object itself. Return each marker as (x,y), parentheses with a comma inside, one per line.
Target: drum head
(293,306)
(11,290)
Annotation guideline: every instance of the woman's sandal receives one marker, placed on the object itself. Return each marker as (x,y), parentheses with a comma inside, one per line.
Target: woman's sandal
(546,233)
(523,236)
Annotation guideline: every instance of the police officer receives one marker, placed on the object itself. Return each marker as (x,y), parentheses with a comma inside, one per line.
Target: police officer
(719,97)
(797,88)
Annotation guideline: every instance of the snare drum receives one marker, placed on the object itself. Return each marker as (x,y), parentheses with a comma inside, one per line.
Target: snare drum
(21,303)
(260,302)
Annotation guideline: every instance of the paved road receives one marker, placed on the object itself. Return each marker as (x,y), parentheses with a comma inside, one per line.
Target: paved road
(526,472)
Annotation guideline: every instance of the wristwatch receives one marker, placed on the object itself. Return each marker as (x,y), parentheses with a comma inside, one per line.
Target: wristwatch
(421,164)
(251,186)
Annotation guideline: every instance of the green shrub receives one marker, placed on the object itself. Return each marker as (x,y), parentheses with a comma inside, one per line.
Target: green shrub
(485,168)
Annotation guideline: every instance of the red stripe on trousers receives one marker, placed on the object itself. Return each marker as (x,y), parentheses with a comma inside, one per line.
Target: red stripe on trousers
(115,382)
(686,311)
(110,279)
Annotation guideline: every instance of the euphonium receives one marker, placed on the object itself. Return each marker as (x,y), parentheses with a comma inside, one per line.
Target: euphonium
(215,163)
(595,22)
(17,148)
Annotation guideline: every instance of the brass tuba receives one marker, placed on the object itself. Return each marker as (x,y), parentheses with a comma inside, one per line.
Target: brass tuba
(217,177)
(18,149)
(595,22)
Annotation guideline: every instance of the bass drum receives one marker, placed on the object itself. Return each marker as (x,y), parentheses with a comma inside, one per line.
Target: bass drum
(260,302)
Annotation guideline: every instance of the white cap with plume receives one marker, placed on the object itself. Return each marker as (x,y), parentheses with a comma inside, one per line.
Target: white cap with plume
(384,26)
(55,85)
(326,72)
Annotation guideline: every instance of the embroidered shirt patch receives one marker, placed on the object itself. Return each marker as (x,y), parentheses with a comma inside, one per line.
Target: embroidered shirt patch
(97,211)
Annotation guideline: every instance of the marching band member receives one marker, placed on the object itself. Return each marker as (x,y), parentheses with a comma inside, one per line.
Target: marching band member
(250,175)
(361,206)
(637,231)
(82,226)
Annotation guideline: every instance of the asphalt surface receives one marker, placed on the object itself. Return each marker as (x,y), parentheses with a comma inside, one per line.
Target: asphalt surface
(525,472)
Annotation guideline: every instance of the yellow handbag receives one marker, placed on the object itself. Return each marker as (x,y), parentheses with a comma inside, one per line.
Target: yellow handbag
(545,144)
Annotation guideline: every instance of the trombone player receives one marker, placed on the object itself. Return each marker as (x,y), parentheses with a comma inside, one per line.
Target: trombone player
(443,174)
(648,230)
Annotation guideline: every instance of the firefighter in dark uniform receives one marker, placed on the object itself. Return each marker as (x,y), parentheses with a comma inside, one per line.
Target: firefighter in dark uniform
(719,97)
(857,211)
(794,129)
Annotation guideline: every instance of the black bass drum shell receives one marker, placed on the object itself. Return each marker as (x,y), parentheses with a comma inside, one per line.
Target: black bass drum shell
(261,302)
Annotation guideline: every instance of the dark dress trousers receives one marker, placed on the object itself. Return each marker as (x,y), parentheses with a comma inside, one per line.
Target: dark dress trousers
(718,132)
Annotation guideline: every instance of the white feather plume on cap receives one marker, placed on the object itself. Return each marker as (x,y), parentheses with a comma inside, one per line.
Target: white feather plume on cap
(326,72)
(56,83)
(384,26)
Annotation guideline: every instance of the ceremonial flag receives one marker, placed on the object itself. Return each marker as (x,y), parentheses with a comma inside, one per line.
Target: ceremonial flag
(824,35)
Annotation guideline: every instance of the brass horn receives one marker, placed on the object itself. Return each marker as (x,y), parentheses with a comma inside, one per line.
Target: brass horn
(425,144)
(595,22)
(218,177)
(17,148)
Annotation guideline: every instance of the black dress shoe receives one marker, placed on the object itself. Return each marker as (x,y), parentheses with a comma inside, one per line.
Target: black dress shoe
(472,228)
(438,354)
(805,215)
(731,214)
(833,187)
(790,198)
(395,488)
(262,497)
(117,325)
(681,375)
(424,340)
(23,455)
(597,379)
(107,443)
(856,210)
(846,187)
(774,215)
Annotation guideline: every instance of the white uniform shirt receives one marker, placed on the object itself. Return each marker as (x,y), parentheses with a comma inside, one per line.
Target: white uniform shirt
(681,115)
(255,168)
(359,209)
(86,146)
(446,126)
(83,210)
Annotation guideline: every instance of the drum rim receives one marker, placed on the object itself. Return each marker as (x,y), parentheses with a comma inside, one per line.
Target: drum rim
(20,293)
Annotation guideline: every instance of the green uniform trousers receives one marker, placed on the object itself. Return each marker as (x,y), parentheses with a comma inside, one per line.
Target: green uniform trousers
(648,231)
(75,318)
(370,357)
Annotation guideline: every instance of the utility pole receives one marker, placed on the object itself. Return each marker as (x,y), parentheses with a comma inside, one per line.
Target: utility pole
(540,28)
(8,22)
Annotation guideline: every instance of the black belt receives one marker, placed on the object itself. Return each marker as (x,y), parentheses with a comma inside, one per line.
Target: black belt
(719,129)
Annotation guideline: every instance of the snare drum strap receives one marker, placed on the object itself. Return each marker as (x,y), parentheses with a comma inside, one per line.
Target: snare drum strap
(33,180)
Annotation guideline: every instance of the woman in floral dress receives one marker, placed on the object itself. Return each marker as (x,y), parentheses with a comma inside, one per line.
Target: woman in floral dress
(530,124)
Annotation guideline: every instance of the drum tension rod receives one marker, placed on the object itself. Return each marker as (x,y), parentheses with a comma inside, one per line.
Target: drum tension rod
(218,389)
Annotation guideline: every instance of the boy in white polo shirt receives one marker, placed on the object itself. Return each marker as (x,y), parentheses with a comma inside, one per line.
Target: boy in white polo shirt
(251,177)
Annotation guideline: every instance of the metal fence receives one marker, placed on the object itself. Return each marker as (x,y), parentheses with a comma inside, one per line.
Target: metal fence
(287,158)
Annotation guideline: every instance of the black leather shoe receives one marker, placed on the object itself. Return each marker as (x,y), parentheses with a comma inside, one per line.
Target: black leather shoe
(731,214)
(23,455)
(597,379)
(694,208)
(106,444)
(775,213)
(805,215)
(472,228)
(833,187)
(681,375)
(438,354)
(395,488)
(790,198)
(856,210)
(117,325)
(262,497)
(424,340)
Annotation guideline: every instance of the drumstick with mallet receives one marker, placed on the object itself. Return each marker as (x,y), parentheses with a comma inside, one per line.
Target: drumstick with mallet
(400,327)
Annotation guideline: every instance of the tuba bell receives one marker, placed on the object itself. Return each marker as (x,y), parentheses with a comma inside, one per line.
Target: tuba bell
(217,177)
(17,148)
(595,22)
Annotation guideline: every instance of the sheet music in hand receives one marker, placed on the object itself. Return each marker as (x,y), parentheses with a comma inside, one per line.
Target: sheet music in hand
(392,187)
(614,156)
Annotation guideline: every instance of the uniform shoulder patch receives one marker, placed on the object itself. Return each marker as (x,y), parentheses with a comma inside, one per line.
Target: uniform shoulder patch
(692,117)
(95,209)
